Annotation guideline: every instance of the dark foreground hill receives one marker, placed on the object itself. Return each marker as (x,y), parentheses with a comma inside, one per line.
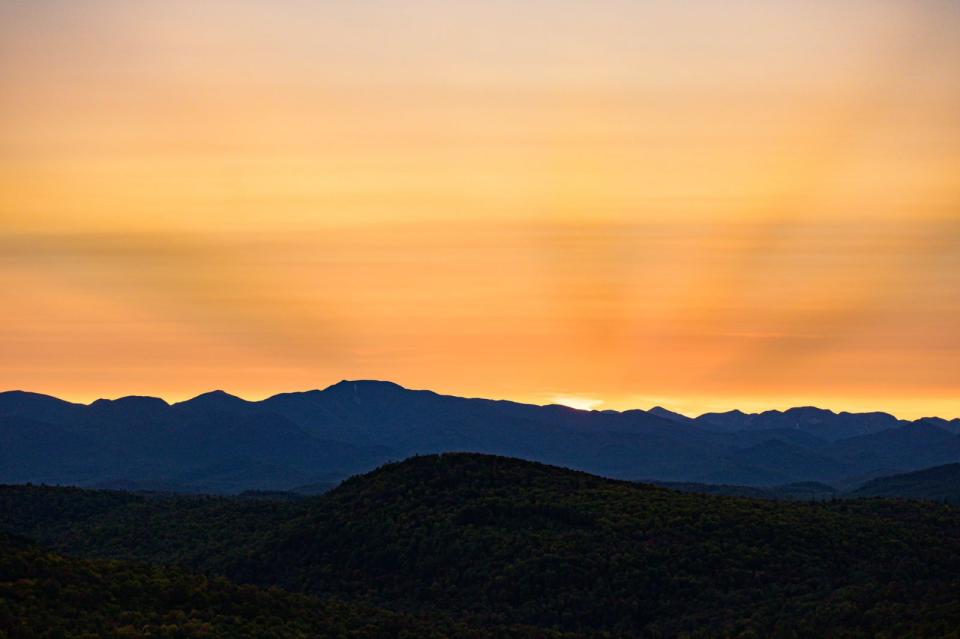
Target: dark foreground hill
(223,444)
(800,491)
(43,594)
(491,541)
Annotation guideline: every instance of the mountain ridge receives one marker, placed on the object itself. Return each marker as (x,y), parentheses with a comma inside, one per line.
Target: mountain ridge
(344,383)
(307,437)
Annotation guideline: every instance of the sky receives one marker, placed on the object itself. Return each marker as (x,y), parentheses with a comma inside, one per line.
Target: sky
(608,204)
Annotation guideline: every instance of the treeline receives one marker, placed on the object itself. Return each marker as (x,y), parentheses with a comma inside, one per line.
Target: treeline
(47,596)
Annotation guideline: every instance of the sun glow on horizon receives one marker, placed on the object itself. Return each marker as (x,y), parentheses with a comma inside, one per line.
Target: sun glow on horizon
(579,403)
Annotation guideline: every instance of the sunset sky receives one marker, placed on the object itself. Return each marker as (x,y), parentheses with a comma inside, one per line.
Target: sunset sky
(704,205)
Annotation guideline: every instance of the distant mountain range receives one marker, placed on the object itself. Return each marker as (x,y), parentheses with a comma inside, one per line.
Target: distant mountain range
(217,442)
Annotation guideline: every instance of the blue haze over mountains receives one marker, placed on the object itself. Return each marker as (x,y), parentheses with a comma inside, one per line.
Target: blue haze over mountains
(309,440)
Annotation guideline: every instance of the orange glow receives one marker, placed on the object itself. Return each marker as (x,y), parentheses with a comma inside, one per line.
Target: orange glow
(698,205)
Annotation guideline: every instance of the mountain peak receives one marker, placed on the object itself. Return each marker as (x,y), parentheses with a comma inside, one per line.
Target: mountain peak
(129,401)
(808,411)
(665,413)
(215,400)
(217,394)
(36,405)
(368,388)
(21,396)
(364,383)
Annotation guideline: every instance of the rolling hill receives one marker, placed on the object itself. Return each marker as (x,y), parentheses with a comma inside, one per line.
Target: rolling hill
(43,594)
(489,541)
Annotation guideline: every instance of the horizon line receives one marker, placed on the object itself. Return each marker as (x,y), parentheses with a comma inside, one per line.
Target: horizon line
(470,397)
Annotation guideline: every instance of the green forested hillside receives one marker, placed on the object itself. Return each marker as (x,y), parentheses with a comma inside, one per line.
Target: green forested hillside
(489,541)
(495,538)
(192,531)
(45,595)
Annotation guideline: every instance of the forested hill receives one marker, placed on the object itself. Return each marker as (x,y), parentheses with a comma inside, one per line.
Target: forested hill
(46,595)
(489,541)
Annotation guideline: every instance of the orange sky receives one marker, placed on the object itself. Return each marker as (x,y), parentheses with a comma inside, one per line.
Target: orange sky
(697,204)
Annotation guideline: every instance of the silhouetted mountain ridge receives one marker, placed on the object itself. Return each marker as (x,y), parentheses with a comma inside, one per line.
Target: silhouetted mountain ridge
(307,437)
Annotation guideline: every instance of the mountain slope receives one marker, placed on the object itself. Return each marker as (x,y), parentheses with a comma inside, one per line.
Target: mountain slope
(43,594)
(818,422)
(909,447)
(941,483)
(144,439)
(775,461)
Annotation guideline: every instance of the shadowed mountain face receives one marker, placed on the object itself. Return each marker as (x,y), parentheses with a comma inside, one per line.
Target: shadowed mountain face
(220,443)
(814,421)
(941,483)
